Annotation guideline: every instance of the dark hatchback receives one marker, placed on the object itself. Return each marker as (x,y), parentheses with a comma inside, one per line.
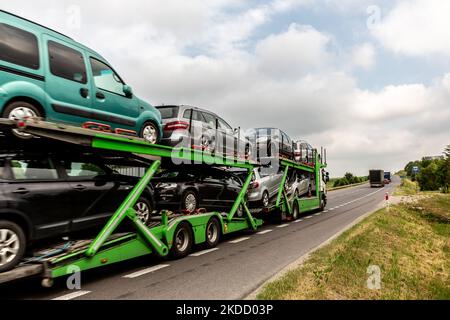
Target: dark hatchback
(194,187)
(45,195)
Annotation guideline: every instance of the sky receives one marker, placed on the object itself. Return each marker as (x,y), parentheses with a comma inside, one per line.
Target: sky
(368,80)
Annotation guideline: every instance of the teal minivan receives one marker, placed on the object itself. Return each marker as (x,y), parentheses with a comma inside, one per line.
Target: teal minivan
(46,74)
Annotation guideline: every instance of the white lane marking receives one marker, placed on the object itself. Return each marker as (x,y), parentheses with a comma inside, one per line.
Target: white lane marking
(264,232)
(297,221)
(318,214)
(325,211)
(308,217)
(239,240)
(283,226)
(72,295)
(200,253)
(332,209)
(145,271)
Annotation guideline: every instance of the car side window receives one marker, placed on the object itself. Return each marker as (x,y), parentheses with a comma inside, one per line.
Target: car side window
(105,78)
(19,47)
(66,62)
(187,114)
(83,170)
(197,116)
(35,169)
(209,119)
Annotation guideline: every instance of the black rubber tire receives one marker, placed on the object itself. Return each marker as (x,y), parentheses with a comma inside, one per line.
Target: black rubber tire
(323,204)
(175,251)
(22,244)
(212,243)
(149,205)
(268,199)
(141,133)
(183,200)
(16,104)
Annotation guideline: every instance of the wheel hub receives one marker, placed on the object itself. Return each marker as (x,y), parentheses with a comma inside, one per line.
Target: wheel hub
(150,134)
(21,113)
(9,246)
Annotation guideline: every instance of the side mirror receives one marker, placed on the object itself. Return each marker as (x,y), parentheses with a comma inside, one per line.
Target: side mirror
(127,91)
(327,177)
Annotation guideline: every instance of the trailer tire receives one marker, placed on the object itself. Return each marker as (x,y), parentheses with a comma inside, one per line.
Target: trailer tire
(12,237)
(183,240)
(323,203)
(212,231)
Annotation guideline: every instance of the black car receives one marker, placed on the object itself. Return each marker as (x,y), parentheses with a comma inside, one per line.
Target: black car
(195,187)
(270,143)
(45,195)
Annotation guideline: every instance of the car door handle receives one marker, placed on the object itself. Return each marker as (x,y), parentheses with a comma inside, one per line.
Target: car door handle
(84,92)
(80,187)
(100,95)
(21,191)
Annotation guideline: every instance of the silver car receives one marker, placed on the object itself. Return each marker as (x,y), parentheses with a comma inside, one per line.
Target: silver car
(298,185)
(303,152)
(191,127)
(264,186)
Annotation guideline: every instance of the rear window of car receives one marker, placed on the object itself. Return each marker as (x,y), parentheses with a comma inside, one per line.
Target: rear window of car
(19,47)
(169,112)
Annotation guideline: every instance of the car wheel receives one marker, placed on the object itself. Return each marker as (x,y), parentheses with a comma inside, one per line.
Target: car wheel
(240,211)
(12,245)
(212,233)
(265,199)
(21,110)
(150,133)
(143,210)
(248,152)
(183,241)
(190,201)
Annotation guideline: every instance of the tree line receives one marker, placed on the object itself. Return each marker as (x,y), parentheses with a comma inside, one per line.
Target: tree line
(433,175)
(348,179)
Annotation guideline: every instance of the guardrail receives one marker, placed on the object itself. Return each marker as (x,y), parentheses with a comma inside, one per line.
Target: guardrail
(348,186)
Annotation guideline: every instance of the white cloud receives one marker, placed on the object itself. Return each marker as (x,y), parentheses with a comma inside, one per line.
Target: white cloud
(364,56)
(294,52)
(416,28)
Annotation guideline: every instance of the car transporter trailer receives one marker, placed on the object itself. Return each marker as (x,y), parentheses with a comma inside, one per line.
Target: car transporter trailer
(166,232)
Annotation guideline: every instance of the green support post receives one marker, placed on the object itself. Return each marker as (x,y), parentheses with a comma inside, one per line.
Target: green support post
(241,196)
(281,190)
(122,212)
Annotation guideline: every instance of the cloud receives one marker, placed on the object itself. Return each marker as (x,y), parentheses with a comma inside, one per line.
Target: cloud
(292,53)
(364,56)
(416,28)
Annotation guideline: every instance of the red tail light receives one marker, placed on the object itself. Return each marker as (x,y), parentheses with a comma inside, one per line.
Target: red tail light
(254,185)
(176,125)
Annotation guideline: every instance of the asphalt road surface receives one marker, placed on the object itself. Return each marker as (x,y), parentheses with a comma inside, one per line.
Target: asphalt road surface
(238,266)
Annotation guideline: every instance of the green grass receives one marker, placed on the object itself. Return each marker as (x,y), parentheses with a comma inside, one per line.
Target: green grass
(407,188)
(410,243)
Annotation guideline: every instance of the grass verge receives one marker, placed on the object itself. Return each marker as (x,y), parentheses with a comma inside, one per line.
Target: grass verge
(410,244)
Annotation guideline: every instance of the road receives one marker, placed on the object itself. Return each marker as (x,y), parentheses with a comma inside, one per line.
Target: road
(238,266)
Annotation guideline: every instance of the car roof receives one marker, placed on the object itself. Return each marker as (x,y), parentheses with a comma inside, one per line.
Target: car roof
(184,106)
(13,18)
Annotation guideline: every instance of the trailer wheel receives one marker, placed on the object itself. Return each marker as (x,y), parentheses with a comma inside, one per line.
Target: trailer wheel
(212,233)
(323,203)
(12,245)
(183,240)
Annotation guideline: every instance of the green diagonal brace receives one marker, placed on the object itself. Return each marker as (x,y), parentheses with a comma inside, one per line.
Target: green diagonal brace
(241,196)
(122,212)
(281,189)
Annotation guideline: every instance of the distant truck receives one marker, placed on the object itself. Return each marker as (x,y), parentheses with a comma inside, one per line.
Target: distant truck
(376,178)
(387,177)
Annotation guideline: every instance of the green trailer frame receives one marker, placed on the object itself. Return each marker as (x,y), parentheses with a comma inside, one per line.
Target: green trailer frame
(158,238)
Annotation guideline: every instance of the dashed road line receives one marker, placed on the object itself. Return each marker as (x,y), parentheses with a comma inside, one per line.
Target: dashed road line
(283,226)
(72,295)
(145,271)
(200,253)
(265,231)
(308,217)
(239,240)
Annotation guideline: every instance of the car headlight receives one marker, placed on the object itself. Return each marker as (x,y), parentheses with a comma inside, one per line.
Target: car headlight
(165,185)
